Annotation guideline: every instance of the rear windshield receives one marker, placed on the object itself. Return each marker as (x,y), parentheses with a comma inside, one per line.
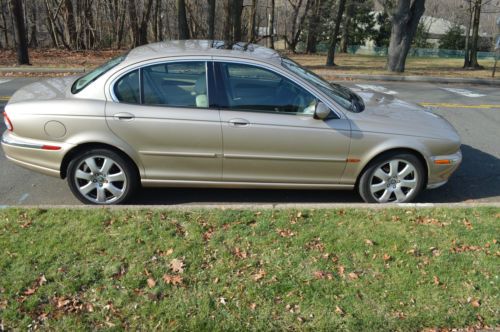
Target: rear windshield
(84,81)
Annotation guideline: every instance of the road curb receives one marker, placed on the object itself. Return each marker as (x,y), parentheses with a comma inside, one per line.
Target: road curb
(423,79)
(266,206)
(27,70)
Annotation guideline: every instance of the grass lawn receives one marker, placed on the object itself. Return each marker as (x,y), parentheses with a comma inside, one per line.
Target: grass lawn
(353,269)
(366,64)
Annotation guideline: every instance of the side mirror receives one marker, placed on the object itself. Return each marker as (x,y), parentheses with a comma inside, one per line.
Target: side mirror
(321,111)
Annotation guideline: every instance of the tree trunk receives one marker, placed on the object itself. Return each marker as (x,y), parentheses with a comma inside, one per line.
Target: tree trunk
(5,30)
(211,19)
(70,24)
(467,37)
(33,27)
(475,36)
(251,21)
(330,59)
(237,9)
(228,24)
(182,24)
(344,42)
(143,28)
(20,32)
(270,26)
(313,23)
(134,25)
(404,27)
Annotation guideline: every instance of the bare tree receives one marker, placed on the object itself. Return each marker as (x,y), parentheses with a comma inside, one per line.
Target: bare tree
(330,58)
(471,42)
(270,26)
(251,21)
(182,24)
(211,19)
(297,22)
(313,26)
(404,27)
(20,31)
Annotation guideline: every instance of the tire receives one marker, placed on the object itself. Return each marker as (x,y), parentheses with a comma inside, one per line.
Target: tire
(388,180)
(102,177)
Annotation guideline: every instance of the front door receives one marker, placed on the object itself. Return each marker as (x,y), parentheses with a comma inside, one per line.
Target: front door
(270,134)
(163,112)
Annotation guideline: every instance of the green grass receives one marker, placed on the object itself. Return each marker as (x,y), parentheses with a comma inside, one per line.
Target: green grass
(354,269)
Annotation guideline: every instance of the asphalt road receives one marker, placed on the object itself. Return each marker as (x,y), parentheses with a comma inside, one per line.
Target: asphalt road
(473,110)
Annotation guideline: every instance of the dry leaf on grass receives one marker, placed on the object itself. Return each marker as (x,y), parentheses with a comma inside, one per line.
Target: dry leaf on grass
(151,282)
(177,265)
(172,279)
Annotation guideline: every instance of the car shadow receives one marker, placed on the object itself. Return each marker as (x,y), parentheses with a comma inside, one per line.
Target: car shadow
(477,178)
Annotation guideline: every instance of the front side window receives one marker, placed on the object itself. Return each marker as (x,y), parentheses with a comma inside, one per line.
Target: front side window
(254,88)
(179,84)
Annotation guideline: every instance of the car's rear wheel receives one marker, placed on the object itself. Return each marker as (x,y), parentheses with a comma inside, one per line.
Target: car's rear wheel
(393,178)
(101,176)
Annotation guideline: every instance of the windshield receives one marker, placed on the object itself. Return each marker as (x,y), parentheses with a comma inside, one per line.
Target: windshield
(340,94)
(84,81)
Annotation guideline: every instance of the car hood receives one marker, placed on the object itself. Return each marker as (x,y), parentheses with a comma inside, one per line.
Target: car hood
(47,89)
(387,114)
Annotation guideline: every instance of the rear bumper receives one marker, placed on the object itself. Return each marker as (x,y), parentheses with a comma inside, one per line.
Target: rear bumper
(40,156)
(441,168)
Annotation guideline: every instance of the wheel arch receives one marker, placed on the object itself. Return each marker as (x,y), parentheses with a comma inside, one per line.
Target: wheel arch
(394,151)
(95,145)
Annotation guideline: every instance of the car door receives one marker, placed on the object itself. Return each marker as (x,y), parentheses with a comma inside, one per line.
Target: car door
(162,111)
(269,131)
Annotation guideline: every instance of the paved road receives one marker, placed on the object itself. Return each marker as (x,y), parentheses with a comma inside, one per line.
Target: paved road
(473,110)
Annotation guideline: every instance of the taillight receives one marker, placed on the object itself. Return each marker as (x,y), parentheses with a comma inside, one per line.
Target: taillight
(8,124)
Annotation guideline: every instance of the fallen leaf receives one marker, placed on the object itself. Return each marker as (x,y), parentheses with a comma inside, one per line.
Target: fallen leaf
(476,303)
(387,257)
(222,301)
(29,291)
(172,279)
(369,242)
(259,275)
(285,232)
(339,311)
(436,281)
(468,224)
(177,265)
(253,306)
(341,270)
(353,276)
(151,282)
(240,253)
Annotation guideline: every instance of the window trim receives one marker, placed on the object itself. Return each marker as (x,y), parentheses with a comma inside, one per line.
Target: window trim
(142,65)
(219,77)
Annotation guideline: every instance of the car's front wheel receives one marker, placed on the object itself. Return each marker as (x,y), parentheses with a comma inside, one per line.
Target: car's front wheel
(101,176)
(393,178)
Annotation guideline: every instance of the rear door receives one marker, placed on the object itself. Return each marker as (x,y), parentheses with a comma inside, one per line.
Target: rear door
(162,110)
(269,132)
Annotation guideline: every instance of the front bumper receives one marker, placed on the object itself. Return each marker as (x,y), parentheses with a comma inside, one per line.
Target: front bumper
(441,168)
(40,156)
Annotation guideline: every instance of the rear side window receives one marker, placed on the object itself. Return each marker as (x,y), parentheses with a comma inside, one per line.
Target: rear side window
(84,81)
(179,84)
(127,88)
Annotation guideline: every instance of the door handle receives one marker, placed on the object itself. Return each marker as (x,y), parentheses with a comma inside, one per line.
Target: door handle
(124,116)
(239,122)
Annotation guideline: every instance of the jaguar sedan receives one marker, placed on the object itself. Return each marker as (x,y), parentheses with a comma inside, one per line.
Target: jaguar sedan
(200,114)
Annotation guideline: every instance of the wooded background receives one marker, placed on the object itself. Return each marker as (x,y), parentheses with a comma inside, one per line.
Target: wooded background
(101,24)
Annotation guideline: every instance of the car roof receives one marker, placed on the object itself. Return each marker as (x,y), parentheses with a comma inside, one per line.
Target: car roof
(202,47)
